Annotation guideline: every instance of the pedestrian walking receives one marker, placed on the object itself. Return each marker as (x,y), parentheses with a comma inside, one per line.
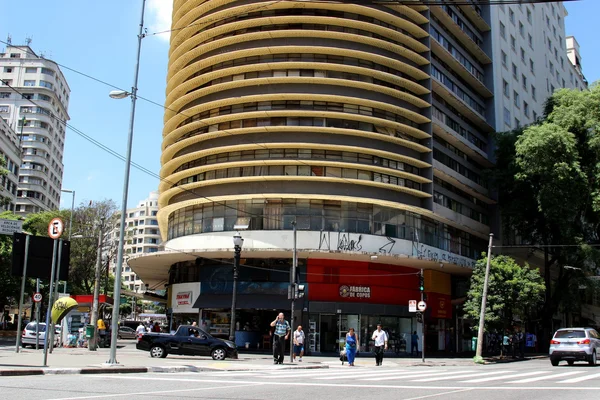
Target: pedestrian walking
(414,344)
(298,338)
(282,332)
(141,329)
(381,344)
(351,345)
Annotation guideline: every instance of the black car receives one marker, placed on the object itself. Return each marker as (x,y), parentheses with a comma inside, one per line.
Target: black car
(189,341)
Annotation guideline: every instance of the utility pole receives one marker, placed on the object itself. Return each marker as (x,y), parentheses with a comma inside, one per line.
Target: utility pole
(93,344)
(484,300)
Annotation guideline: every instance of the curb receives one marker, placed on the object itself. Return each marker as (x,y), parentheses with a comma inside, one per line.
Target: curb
(138,370)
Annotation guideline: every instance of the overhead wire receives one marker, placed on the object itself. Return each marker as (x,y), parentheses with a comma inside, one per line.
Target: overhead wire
(173,184)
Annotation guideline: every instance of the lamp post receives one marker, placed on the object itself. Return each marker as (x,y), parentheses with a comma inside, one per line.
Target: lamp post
(120,94)
(237,249)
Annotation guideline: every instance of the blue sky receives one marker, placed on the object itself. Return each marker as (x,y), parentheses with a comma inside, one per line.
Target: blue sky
(99,39)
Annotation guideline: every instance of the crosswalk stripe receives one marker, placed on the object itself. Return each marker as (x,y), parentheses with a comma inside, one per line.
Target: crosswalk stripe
(447,378)
(314,372)
(410,375)
(496,378)
(550,376)
(581,378)
(379,374)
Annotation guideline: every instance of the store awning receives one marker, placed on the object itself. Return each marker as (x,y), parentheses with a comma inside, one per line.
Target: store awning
(243,302)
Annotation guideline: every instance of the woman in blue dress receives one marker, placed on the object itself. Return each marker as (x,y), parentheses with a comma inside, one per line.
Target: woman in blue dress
(351,343)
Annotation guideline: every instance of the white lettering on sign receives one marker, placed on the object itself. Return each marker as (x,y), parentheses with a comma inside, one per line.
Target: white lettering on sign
(363,292)
(9,226)
(184,298)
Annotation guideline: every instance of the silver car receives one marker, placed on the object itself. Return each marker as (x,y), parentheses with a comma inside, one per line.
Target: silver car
(28,336)
(574,344)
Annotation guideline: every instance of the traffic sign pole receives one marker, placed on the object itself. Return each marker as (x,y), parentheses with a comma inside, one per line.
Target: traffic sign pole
(49,304)
(37,315)
(422,327)
(20,317)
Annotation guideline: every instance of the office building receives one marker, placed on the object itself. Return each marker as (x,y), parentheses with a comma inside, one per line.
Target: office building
(11,153)
(141,237)
(532,58)
(368,125)
(34,101)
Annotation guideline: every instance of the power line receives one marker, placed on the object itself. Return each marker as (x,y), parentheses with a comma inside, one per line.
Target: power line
(145,170)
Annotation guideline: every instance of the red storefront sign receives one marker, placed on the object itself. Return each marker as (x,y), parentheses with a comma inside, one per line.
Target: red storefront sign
(439,306)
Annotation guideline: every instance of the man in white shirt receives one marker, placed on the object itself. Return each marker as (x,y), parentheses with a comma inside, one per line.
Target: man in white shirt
(141,329)
(298,338)
(381,344)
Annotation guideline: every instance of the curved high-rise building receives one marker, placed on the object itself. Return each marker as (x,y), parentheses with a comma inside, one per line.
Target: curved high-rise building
(364,124)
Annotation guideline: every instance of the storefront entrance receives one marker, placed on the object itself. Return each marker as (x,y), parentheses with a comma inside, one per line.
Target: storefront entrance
(327,332)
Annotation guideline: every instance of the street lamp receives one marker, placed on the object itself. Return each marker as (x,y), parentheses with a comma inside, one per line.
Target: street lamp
(117,292)
(238,241)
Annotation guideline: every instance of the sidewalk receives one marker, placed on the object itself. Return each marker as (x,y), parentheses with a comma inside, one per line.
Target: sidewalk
(82,361)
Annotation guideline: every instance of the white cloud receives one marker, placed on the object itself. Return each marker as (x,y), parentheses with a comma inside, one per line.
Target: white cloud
(159,17)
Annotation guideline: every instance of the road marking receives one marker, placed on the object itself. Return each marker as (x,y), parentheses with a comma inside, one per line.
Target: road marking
(581,378)
(438,394)
(344,385)
(105,395)
(447,378)
(541,378)
(411,375)
(496,378)
(381,375)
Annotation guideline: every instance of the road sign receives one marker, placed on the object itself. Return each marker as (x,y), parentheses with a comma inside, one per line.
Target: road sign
(10,226)
(412,306)
(422,306)
(6,307)
(55,228)
(37,297)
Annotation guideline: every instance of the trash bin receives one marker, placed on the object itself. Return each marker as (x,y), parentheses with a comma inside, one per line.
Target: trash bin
(89,331)
(473,344)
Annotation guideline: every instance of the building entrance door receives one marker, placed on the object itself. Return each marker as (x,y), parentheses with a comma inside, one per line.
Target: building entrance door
(328,332)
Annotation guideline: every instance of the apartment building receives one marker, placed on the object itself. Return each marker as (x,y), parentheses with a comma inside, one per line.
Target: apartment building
(142,236)
(11,153)
(34,101)
(366,125)
(533,58)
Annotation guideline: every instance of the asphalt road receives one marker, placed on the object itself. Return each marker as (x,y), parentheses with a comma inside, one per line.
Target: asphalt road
(524,380)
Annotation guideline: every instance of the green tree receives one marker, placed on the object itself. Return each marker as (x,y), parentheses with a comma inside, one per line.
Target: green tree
(11,284)
(513,290)
(547,178)
(89,221)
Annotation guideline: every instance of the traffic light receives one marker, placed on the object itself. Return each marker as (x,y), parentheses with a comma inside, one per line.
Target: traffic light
(421,282)
(296,291)
(299,290)
(419,317)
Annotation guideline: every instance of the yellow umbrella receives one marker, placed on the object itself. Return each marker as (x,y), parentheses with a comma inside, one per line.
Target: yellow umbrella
(61,307)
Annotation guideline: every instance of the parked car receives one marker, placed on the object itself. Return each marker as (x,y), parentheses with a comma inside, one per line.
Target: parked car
(187,340)
(574,344)
(126,332)
(28,337)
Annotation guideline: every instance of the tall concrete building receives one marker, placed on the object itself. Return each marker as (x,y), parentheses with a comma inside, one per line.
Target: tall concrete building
(142,237)
(34,101)
(532,59)
(368,125)
(10,151)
